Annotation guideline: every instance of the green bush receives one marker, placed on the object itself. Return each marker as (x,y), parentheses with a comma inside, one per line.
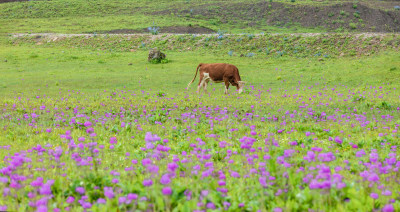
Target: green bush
(353,25)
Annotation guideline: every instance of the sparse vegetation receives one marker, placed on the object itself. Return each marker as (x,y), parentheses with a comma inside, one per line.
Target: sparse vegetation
(353,25)
(154,30)
(301,46)
(77,16)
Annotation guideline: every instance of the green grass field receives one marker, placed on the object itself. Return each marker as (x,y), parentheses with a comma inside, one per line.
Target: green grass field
(51,69)
(88,124)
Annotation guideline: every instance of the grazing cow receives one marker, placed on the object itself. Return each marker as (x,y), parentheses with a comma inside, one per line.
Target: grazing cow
(218,72)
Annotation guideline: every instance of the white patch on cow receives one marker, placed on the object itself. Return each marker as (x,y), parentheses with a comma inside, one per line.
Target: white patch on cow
(241,85)
(206,76)
(204,81)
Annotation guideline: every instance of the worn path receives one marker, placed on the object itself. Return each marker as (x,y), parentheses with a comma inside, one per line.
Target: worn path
(58,35)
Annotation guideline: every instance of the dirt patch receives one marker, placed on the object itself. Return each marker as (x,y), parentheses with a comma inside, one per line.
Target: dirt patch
(353,17)
(5,1)
(187,30)
(170,29)
(122,31)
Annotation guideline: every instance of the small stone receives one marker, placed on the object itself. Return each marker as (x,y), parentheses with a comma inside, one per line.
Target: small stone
(155,54)
(129,64)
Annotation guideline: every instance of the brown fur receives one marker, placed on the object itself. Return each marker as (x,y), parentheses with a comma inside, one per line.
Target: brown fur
(218,72)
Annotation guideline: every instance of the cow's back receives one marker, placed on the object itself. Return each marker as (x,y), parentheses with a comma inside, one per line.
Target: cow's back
(218,71)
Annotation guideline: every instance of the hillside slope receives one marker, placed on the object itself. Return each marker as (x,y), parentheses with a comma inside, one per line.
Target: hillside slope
(190,16)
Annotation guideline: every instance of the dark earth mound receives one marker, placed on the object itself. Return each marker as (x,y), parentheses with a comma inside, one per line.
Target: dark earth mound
(5,1)
(170,29)
(187,30)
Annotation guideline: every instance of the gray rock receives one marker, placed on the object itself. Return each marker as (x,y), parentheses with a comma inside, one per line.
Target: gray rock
(155,54)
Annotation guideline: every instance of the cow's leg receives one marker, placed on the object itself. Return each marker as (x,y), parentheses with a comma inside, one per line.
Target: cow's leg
(203,82)
(200,83)
(226,81)
(205,85)
(234,83)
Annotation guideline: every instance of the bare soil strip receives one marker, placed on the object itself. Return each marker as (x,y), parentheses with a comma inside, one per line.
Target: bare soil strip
(60,35)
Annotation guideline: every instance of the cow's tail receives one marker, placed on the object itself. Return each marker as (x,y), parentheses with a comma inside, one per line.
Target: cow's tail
(197,69)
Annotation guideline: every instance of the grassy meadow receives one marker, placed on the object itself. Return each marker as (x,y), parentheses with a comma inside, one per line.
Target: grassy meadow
(50,70)
(88,124)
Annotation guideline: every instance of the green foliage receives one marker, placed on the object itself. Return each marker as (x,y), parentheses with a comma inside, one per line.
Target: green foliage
(343,13)
(358,99)
(157,61)
(384,105)
(353,25)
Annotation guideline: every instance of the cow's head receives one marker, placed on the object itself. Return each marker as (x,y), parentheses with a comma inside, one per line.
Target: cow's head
(241,85)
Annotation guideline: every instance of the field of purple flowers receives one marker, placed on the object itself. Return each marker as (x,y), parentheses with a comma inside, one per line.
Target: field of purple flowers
(316,148)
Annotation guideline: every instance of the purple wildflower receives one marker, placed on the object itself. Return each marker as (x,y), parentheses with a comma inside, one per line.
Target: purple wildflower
(374,195)
(80,190)
(165,179)
(167,191)
(210,205)
(147,182)
(101,201)
(108,192)
(388,208)
(70,199)
(132,196)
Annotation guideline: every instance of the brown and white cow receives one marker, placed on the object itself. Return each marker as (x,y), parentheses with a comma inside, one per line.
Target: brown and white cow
(218,72)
